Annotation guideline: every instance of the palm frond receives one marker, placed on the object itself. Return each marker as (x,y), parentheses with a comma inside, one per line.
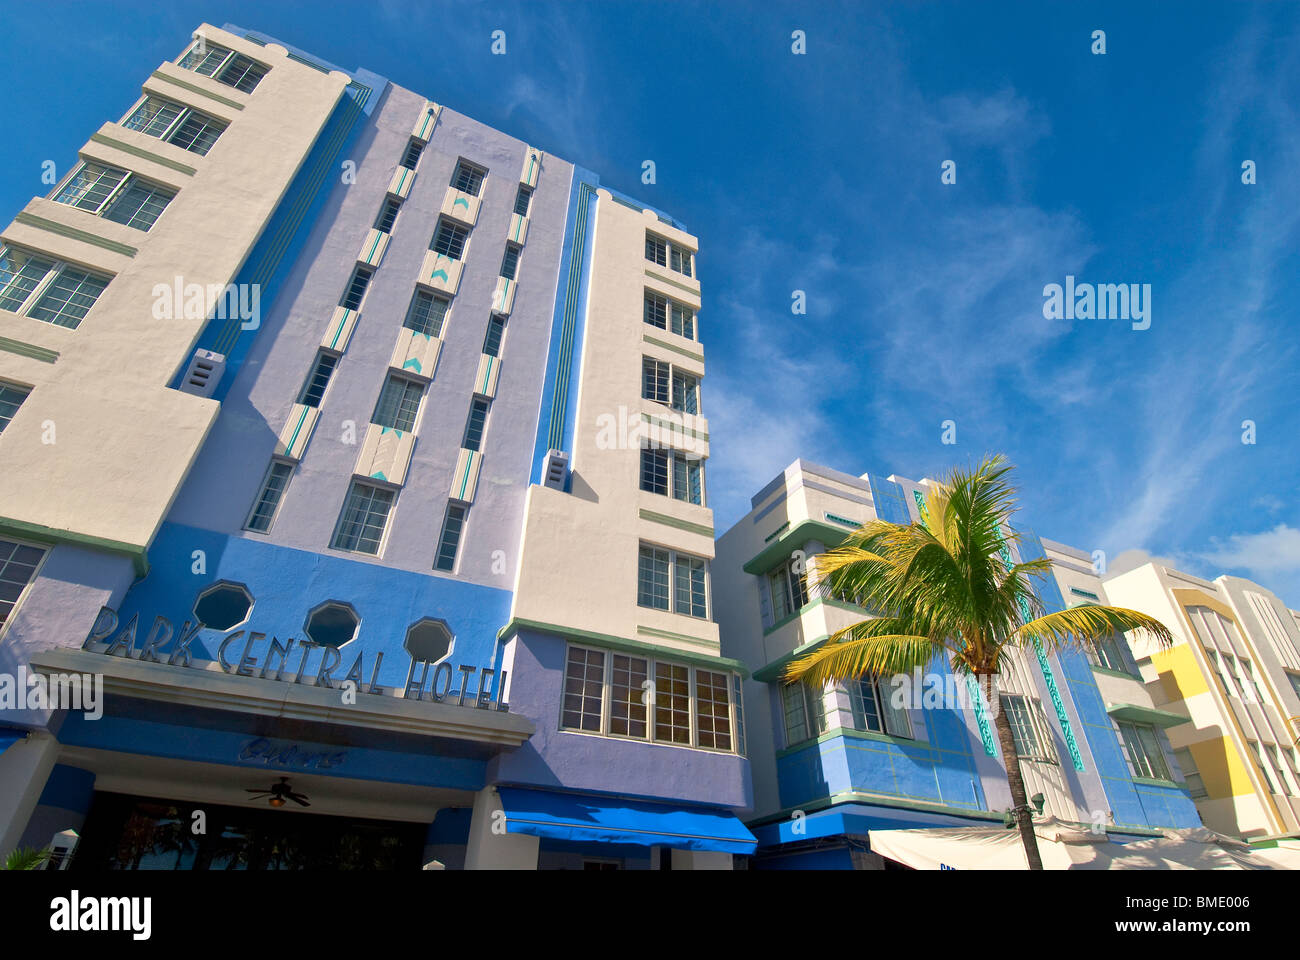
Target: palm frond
(1085,625)
(858,651)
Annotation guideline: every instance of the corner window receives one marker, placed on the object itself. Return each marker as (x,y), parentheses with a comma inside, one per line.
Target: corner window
(11,398)
(873,708)
(18,563)
(665,253)
(804,708)
(224,66)
(46,289)
(116,195)
(789,591)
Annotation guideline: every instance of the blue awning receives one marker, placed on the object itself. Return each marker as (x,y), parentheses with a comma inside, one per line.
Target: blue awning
(571,816)
(9,736)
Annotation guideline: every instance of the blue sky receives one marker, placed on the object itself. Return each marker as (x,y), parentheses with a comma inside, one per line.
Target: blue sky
(821,173)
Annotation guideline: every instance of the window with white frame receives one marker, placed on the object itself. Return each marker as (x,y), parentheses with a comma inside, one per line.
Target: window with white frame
(18,563)
(674,581)
(175,123)
(1283,776)
(115,194)
(398,407)
(45,288)
(789,590)
(1195,784)
(476,424)
(354,294)
(672,473)
(468,178)
(453,525)
(1142,747)
(11,398)
(665,253)
(411,155)
(426,313)
(873,708)
(267,504)
(656,380)
(364,519)
(667,314)
(224,66)
(1263,766)
(804,708)
(686,392)
(449,239)
(1108,655)
(1029,733)
(645,698)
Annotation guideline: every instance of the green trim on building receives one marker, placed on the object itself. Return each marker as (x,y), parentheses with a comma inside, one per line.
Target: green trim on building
(702,529)
(669,280)
(669,635)
(72,233)
(673,347)
(772,672)
(143,154)
(195,88)
(871,799)
(568,328)
(621,643)
(1156,782)
(671,427)
(31,350)
(43,534)
(777,532)
(1096,668)
(1135,713)
(797,536)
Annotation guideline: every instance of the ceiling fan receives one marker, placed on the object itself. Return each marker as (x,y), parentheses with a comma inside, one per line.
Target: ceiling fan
(278,793)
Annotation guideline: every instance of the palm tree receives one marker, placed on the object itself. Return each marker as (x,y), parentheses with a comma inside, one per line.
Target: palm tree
(25,858)
(946,587)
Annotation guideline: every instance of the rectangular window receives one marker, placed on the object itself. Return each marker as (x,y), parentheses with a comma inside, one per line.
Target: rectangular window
(175,124)
(1248,673)
(268,497)
(115,195)
(656,310)
(737,697)
(654,471)
(871,701)
(804,706)
(686,392)
(20,274)
(523,199)
(365,517)
(680,261)
(628,689)
(656,250)
(1263,766)
(478,411)
(683,321)
(468,178)
(426,313)
(224,66)
(1109,655)
(584,689)
(1023,729)
(1295,681)
(449,239)
(18,562)
(672,703)
(1280,767)
(11,398)
(314,389)
(688,479)
(1195,785)
(496,329)
(510,262)
(789,591)
(712,710)
(690,575)
(399,404)
(356,289)
(652,578)
(411,155)
(449,542)
(68,299)
(656,382)
(388,215)
(670,255)
(1143,748)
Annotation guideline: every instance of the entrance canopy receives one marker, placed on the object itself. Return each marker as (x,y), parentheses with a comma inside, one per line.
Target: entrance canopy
(568,816)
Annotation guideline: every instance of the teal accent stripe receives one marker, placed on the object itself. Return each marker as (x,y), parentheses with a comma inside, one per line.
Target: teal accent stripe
(194,88)
(654,275)
(72,233)
(532,162)
(700,528)
(29,350)
(669,635)
(343,322)
(464,478)
(143,154)
(288,447)
(671,346)
(560,395)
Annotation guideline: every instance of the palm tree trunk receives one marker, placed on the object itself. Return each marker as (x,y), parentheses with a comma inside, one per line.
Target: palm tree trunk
(1017,783)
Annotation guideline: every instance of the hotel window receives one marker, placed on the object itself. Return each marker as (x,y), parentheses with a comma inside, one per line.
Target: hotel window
(452,526)
(737,697)
(712,710)
(666,254)
(1249,680)
(496,329)
(688,576)
(399,404)
(449,239)
(176,124)
(686,392)
(523,199)
(584,687)
(468,178)
(510,262)
(1024,730)
(1195,785)
(871,699)
(804,708)
(1219,668)
(688,479)
(656,380)
(356,289)
(1281,769)
(628,696)
(365,517)
(672,703)
(11,398)
(789,591)
(1142,746)
(63,294)
(669,315)
(411,156)
(269,496)
(388,215)
(1263,766)
(115,195)
(1108,655)
(654,471)
(224,66)
(18,563)
(426,313)
(314,389)
(1295,681)
(475,425)
(656,310)
(682,320)
(1233,666)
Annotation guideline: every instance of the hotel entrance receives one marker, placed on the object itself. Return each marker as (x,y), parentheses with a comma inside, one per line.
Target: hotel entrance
(141,833)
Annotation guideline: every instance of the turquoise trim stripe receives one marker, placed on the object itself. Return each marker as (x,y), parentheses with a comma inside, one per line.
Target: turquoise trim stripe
(464,477)
(29,350)
(72,233)
(560,396)
(288,447)
(343,323)
(143,154)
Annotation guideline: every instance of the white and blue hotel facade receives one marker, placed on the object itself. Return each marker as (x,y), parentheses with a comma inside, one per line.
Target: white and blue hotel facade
(390,484)
(831,765)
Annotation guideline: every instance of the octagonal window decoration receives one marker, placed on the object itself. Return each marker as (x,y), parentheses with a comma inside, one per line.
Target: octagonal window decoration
(223,605)
(428,640)
(332,623)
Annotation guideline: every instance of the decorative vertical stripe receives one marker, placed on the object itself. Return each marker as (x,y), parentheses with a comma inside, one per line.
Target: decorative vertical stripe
(560,394)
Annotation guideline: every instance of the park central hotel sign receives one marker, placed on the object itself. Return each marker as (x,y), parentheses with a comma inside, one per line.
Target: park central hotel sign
(248,653)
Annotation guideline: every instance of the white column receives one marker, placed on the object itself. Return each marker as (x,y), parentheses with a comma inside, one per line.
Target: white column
(490,847)
(700,860)
(24,768)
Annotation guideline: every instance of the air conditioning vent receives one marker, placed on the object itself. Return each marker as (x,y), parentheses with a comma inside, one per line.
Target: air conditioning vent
(204,373)
(555,472)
